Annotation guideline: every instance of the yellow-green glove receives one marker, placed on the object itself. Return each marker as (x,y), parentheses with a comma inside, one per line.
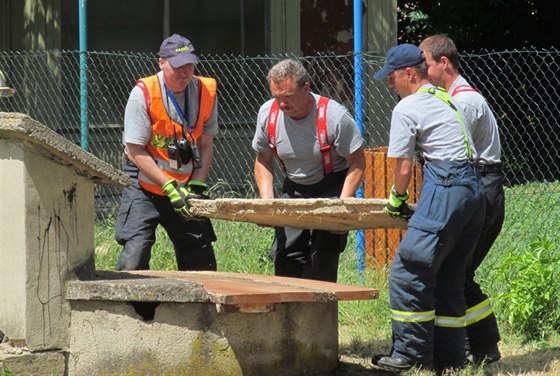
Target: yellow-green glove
(397,206)
(179,198)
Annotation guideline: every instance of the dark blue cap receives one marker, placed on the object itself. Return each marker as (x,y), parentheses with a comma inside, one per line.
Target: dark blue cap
(178,50)
(398,57)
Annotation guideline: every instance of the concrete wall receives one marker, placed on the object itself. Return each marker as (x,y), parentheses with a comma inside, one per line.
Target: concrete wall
(194,339)
(46,220)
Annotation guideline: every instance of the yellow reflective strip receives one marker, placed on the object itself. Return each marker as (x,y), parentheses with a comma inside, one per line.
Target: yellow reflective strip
(479,312)
(413,316)
(450,321)
(159,141)
(483,303)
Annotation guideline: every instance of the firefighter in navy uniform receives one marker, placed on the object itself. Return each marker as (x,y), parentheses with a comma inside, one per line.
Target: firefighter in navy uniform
(169,126)
(427,275)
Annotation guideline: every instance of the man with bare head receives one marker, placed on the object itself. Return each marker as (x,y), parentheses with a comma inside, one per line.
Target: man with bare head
(321,151)
(443,63)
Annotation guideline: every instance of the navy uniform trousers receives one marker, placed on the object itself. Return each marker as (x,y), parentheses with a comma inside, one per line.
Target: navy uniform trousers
(482,328)
(427,275)
(139,215)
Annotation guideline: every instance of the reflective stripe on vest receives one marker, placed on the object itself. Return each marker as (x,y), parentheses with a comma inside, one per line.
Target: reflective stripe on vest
(413,316)
(166,131)
(450,322)
(445,97)
(149,185)
(463,88)
(479,312)
(322,134)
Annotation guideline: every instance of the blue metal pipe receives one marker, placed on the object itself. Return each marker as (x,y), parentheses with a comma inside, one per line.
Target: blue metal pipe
(358,106)
(84,128)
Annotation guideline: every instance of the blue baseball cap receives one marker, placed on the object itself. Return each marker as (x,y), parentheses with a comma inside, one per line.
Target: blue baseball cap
(400,56)
(178,50)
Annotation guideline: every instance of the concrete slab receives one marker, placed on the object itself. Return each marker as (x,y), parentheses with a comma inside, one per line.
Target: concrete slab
(21,128)
(321,213)
(204,323)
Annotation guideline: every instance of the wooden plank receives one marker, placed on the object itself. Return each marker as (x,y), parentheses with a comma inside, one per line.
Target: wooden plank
(322,214)
(256,289)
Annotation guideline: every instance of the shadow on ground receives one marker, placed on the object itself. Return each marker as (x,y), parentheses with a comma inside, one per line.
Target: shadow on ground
(533,362)
(356,361)
(355,358)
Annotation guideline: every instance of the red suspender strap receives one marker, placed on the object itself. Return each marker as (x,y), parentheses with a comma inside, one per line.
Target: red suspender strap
(272,119)
(323,136)
(144,89)
(462,88)
(271,129)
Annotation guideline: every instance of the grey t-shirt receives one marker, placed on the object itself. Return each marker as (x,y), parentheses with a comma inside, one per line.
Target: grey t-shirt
(297,144)
(423,121)
(481,122)
(137,124)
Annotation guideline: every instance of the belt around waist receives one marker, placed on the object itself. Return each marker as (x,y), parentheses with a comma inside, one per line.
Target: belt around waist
(495,167)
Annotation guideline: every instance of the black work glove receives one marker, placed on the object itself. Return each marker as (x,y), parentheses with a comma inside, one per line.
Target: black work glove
(197,189)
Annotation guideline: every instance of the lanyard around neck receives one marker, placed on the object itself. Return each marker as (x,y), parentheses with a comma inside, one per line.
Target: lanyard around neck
(444,96)
(184,119)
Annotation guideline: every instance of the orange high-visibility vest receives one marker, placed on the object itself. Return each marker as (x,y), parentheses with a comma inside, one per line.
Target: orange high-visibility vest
(166,131)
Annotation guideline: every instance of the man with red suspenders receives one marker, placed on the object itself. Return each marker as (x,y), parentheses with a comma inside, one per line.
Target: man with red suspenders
(442,59)
(169,126)
(321,152)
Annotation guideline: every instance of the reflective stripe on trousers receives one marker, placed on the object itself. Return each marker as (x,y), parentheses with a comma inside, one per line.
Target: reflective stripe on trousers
(479,312)
(428,272)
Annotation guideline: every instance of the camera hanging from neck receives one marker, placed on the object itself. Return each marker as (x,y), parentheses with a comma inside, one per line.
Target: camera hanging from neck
(187,149)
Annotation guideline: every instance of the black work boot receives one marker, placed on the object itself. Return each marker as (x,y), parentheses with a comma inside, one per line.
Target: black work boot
(487,356)
(395,364)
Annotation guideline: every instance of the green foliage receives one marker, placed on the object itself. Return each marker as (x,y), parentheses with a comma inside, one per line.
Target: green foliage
(525,221)
(530,297)
(472,24)
(362,319)
(243,247)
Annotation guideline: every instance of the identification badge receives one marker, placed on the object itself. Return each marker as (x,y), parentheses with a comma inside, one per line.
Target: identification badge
(174,158)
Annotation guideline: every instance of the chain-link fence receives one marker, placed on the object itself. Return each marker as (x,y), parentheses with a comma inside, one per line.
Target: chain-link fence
(520,86)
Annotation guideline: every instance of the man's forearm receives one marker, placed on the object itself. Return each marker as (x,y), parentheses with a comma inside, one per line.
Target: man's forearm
(356,166)
(403,174)
(146,164)
(352,183)
(264,177)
